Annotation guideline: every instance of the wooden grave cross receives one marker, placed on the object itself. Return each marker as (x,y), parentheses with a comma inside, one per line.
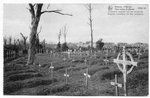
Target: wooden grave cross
(87,76)
(124,64)
(51,69)
(39,65)
(66,75)
(116,84)
(139,55)
(85,61)
(106,58)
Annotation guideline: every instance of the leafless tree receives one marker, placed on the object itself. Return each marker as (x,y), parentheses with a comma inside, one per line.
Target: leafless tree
(36,12)
(24,41)
(65,32)
(15,42)
(59,35)
(10,40)
(43,44)
(89,7)
(5,41)
(19,43)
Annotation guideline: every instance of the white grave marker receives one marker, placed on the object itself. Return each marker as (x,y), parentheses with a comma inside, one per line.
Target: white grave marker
(51,69)
(66,75)
(106,58)
(139,55)
(125,63)
(116,84)
(40,65)
(87,76)
(85,60)
(106,61)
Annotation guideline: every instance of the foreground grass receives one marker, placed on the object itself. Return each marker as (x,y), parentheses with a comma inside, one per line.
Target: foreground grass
(20,79)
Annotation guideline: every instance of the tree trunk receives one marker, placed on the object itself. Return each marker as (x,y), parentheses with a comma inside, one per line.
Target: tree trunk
(32,41)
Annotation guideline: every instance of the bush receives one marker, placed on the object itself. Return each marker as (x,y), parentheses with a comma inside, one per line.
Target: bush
(99,44)
(64,47)
(58,47)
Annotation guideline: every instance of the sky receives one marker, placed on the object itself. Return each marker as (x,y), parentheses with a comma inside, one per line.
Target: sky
(111,28)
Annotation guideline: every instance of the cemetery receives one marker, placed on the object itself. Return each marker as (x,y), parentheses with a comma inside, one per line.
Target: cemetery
(77,75)
(106,69)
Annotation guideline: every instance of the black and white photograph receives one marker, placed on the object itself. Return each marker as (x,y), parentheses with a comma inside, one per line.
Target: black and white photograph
(75,49)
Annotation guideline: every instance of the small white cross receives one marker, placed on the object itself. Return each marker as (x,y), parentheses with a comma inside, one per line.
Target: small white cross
(116,84)
(87,75)
(105,60)
(51,67)
(139,53)
(66,75)
(64,59)
(40,65)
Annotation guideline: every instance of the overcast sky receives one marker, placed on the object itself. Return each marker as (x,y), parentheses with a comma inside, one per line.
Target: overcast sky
(111,28)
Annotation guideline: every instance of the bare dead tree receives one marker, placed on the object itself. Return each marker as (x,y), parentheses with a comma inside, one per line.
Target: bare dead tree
(15,42)
(36,12)
(59,35)
(24,41)
(89,7)
(65,33)
(10,40)
(19,43)
(43,44)
(5,41)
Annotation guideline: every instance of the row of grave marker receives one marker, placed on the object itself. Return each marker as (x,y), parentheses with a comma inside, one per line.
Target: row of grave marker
(122,65)
(67,75)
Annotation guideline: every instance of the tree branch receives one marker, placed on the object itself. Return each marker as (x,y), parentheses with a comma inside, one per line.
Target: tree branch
(48,6)
(56,11)
(40,30)
(32,10)
(25,38)
(22,35)
(38,9)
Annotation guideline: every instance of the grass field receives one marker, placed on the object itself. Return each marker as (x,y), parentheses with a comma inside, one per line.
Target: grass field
(20,79)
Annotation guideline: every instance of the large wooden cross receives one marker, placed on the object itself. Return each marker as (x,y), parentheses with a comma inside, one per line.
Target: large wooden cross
(116,84)
(124,63)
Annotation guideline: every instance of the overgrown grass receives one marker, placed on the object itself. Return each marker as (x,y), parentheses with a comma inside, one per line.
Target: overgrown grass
(15,86)
(54,89)
(23,76)
(138,82)
(20,71)
(95,69)
(111,75)
(14,67)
